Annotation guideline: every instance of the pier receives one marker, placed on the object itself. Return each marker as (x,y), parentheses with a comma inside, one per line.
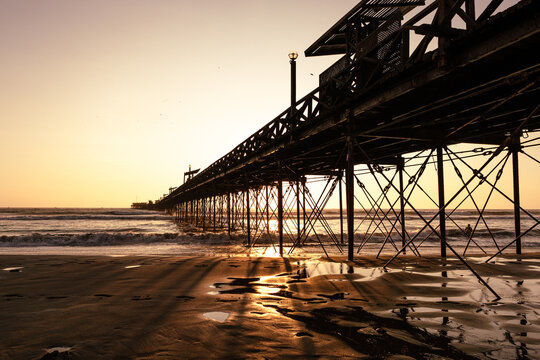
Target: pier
(415,79)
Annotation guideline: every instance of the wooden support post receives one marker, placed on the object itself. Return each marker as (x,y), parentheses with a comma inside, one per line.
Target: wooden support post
(304,205)
(401,164)
(349,193)
(204,214)
(298,211)
(242,205)
(248,216)
(220,211)
(214,205)
(267,212)
(229,213)
(197,213)
(280,216)
(341,206)
(515,148)
(256,210)
(233,212)
(442,212)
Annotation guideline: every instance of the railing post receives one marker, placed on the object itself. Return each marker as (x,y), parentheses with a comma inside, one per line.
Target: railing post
(442,212)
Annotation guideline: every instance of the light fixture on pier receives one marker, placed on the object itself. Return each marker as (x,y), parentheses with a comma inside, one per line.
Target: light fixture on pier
(293,55)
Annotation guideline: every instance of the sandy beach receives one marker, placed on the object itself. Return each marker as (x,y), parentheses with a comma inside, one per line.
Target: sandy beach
(71,307)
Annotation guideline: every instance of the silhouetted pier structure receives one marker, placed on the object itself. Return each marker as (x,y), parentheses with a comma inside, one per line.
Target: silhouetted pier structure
(414,79)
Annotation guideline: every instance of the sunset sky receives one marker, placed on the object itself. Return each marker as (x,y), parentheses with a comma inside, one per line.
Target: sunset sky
(103,103)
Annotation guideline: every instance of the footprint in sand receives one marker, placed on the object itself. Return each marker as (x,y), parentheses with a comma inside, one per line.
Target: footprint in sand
(8,297)
(303,333)
(57,353)
(185,297)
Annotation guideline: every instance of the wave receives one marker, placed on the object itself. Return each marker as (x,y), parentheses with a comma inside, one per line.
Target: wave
(74,211)
(83,217)
(208,240)
(107,239)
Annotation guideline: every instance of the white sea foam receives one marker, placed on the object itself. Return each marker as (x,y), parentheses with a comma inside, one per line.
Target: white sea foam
(108,239)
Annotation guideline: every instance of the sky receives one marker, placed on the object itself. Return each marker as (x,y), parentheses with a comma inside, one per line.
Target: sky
(104,103)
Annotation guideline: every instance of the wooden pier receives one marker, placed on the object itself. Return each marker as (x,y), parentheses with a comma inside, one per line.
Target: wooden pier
(415,78)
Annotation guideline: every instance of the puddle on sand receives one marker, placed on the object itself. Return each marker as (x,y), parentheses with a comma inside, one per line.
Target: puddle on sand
(247,286)
(132,266)
(13,269)
(219,316)
(316,268)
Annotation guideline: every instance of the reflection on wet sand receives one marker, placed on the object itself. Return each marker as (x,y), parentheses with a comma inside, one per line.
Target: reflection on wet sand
(363,303)
(423,308)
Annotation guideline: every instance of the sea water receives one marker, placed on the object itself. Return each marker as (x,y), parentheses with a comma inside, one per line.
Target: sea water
(120,232)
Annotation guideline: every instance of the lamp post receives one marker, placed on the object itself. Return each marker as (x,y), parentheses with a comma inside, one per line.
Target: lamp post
(293,55)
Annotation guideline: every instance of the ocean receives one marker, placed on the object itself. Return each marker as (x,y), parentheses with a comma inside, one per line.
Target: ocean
(121,232)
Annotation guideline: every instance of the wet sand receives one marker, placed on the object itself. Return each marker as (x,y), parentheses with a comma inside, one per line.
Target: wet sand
(71,307)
